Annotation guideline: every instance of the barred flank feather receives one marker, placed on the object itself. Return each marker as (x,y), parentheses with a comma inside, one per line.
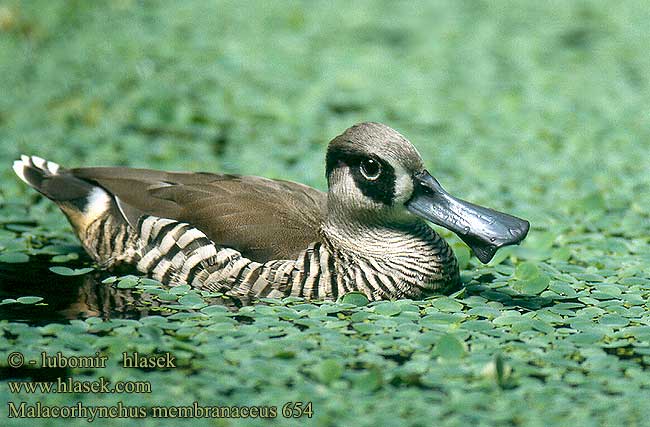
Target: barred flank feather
(176,253)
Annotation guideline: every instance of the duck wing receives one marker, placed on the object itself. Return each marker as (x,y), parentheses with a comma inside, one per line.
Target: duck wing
(262,218)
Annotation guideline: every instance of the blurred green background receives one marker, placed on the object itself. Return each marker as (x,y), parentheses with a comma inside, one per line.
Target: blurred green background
(537,108)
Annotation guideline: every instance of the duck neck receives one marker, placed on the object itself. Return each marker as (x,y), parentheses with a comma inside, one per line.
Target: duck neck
(409,254)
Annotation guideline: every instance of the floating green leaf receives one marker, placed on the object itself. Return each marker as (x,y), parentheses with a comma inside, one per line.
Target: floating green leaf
(387,308)
(463,255)
(191,299)
(14,257)
(532,286)
(447,304)
(357,298)
(65,258)
(450,347)
(526,270)
(29,300)
(127,283)
(65,271)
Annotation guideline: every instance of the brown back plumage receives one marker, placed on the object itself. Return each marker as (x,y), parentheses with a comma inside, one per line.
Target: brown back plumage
(264,219)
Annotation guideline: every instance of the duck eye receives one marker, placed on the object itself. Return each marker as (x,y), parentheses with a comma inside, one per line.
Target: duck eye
(370,169)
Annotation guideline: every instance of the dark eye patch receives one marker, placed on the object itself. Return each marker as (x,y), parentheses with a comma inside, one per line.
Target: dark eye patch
(381,190)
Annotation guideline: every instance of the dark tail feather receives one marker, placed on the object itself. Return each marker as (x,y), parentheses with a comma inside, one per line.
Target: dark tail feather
(52,181)
(81,201)
(92,211)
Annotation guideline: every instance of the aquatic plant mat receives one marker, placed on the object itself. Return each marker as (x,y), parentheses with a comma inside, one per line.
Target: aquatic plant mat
(537,110)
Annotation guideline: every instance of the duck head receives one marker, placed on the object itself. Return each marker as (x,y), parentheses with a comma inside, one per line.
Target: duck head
(376,176)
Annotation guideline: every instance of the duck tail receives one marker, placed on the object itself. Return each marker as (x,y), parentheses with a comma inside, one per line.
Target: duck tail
(80,200)
(91,210)
(51,180)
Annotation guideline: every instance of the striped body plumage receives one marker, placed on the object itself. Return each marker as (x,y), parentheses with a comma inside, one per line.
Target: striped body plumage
(176,253)
(254,237)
